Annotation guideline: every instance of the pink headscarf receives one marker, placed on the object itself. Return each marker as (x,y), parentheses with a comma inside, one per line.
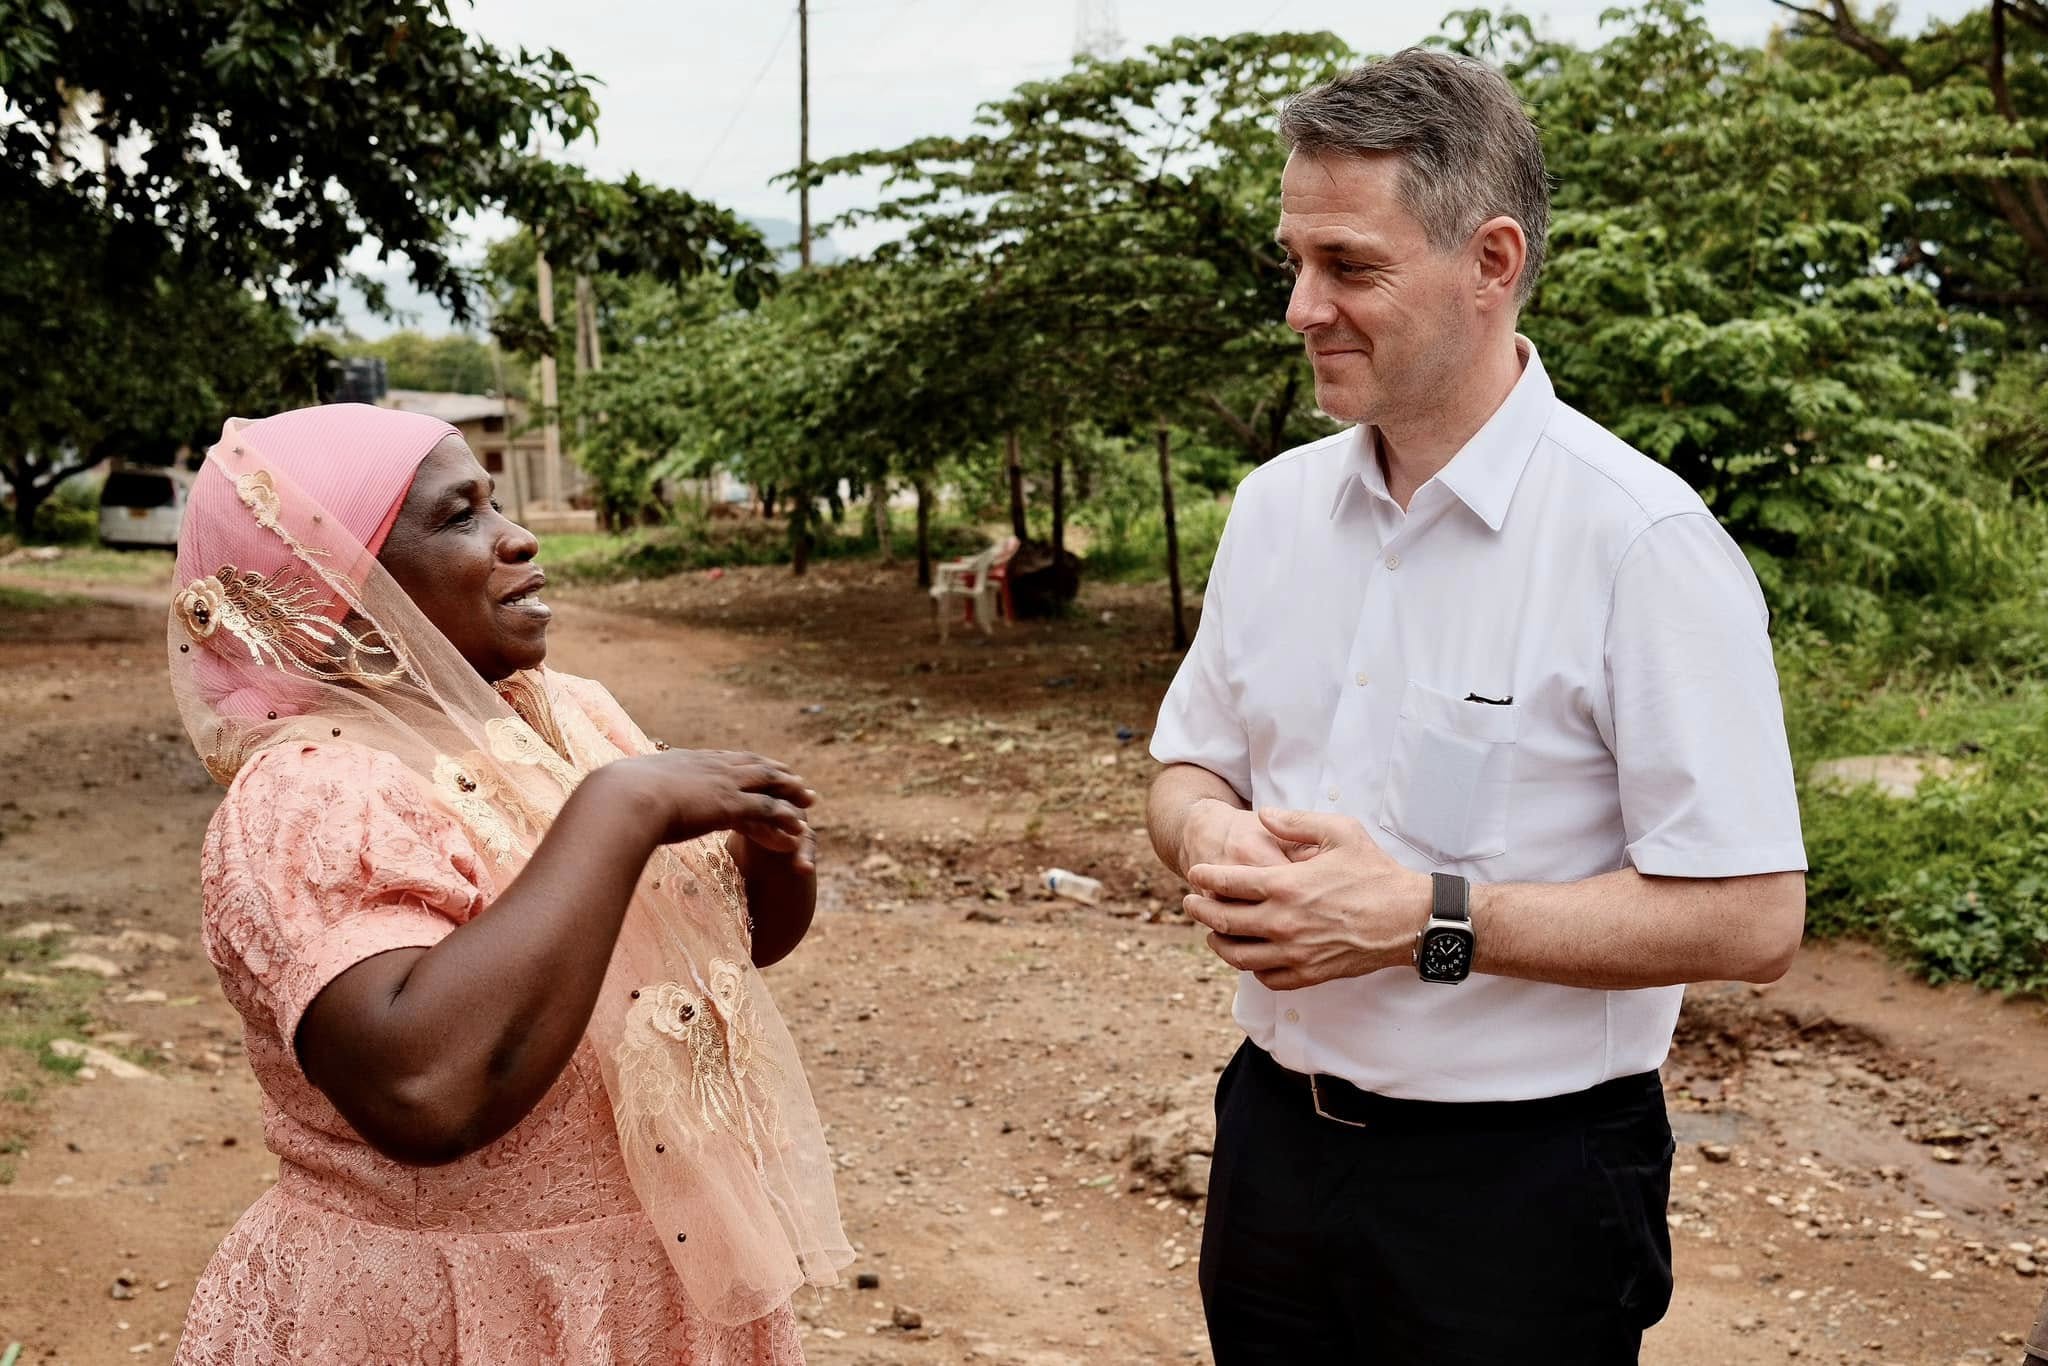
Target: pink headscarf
(355,461)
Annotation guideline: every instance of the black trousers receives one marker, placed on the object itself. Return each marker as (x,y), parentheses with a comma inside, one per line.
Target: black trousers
(1527,1232)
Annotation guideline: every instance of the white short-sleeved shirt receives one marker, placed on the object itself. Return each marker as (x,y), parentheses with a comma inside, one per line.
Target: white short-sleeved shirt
(1553,665)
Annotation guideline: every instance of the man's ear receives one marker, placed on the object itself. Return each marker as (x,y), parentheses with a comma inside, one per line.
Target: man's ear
(1500,253)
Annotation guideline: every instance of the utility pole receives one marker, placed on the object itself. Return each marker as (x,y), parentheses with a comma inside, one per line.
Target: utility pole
(1095,30)
(803,154)
(551,433)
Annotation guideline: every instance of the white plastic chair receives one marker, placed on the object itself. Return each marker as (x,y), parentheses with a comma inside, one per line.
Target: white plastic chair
(973,581)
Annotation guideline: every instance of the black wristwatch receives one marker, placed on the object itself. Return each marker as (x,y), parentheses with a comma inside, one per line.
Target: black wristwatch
(1443,951)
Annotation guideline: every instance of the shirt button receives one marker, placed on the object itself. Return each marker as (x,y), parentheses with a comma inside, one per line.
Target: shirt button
(1363,680)
(1294,1017)
(1333,794)
(1393,561)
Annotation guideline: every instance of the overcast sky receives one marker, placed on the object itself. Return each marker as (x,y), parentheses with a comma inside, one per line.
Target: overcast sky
(703,96)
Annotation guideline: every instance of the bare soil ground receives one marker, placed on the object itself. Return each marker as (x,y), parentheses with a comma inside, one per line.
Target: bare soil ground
(1863,1167)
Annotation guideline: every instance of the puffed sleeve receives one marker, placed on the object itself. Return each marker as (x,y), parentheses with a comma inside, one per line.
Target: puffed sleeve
(322,856)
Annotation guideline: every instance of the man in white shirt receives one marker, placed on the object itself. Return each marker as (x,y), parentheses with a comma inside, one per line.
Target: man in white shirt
(1477,758)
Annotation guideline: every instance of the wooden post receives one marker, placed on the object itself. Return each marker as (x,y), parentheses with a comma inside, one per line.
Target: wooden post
(1015,458)
(1180,620)
(924,534)
(515,472)
(1059,508)
(550,398)
(878,499)
(803,155)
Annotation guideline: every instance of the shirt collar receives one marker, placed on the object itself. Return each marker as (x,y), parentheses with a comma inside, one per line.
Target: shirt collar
(1485,472)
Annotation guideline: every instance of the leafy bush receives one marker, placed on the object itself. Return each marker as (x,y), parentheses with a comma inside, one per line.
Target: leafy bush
(658,552)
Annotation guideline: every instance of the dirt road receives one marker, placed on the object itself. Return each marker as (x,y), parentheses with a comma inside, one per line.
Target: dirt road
(1861,1174)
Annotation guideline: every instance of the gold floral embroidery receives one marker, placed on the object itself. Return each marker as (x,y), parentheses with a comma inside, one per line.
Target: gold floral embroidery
(515,742)
(283,623)
(259,494)
(232,747)
(699,1056)
(725,877)
(526,692)
(495,813)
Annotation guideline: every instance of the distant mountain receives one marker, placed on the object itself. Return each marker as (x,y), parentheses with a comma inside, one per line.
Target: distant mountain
(416,310)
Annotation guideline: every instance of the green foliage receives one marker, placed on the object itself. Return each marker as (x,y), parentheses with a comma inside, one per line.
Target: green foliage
(342,120)
(456,363)
(1113,228)
(172,173)
(1123,509)
(1952,879)
(103,361)
(661,552)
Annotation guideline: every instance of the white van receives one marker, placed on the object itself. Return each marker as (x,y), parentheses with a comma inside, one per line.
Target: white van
(143,505)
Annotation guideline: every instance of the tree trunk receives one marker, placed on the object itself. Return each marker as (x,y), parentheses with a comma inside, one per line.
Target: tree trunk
(1180,620)
(799,533)
(878,500)
(1276,421)
(924,534)
(27,498)
(1016,470)
(1059,509)
(767,502)
(32,488)
(835,504)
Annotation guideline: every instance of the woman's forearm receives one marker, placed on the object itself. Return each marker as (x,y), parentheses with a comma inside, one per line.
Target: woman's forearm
(431,1054)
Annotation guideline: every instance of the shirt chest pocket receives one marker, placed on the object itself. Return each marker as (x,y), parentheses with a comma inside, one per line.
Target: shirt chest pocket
(1448,779)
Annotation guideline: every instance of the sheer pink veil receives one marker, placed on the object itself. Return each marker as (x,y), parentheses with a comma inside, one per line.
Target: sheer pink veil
(286,630)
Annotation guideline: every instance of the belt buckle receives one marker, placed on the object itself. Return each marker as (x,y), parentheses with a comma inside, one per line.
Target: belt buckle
(1315,1095)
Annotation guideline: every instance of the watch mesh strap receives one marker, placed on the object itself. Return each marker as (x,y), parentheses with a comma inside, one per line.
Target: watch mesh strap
(1449,897)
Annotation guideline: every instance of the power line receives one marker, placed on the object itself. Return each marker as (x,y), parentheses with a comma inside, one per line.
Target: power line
(734,121)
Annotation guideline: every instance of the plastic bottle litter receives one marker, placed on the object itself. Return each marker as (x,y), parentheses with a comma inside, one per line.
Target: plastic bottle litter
(1072,886)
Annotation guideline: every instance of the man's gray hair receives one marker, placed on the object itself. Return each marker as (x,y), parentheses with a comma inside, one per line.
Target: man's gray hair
(1469,151)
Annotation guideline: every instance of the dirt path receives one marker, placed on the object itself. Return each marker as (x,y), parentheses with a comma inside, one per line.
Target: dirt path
(1859,1153)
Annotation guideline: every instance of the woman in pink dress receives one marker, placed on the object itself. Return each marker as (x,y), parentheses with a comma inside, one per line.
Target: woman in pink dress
(494,950)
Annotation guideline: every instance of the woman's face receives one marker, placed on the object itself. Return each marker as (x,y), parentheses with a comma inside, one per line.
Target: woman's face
(467,566)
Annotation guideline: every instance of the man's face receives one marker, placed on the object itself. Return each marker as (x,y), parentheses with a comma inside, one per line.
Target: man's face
(1388,320)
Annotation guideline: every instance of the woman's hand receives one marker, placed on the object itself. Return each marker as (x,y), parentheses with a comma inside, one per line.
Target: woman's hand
(693,792)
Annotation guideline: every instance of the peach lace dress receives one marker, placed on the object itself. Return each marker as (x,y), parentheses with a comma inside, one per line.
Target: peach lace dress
(533,1249)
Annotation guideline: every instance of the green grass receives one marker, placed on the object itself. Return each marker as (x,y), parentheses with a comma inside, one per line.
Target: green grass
(35,600)
(1955,879)
(1133,549)
(98,564)
(32,1016)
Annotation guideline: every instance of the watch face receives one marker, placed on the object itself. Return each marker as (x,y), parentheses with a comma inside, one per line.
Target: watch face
(1446,955)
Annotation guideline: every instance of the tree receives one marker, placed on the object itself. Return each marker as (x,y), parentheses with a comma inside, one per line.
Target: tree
(455,363)
(1727,291)
(340,121)
(1106,241)
(210,145)
(105,363)
(1118,220)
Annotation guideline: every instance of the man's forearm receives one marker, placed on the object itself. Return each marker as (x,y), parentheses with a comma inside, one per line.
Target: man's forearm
(1622,930)
(1175,794)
